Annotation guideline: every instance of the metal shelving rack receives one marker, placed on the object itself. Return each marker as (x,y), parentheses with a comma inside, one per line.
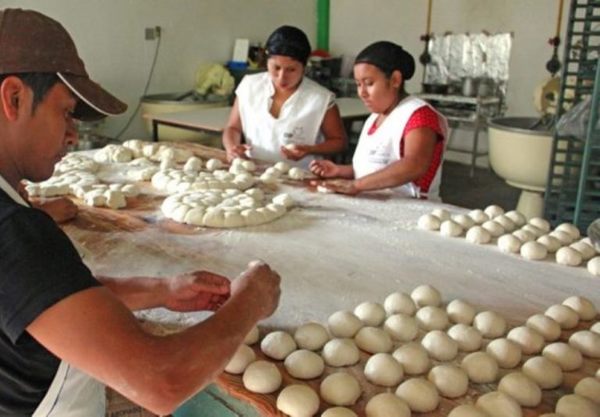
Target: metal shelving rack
(573,190)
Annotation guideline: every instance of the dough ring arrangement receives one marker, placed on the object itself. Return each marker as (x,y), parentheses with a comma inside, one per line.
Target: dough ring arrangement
(225,208)
(107,195)
(156,152)
(533,239)
(404,377)
(178,181)
(75,162)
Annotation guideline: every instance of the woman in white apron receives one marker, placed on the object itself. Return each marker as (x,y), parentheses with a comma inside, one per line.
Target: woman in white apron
(282,114)
(402,142)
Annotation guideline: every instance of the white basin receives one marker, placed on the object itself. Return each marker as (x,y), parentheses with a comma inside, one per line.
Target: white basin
(521,156)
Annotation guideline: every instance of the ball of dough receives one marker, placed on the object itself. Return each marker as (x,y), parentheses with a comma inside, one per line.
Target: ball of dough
(339,412)
(479,216)
(509,243)
(467,410)
(543,372)
(564,355)
(582,306)
(399,303)
(586,342)
(551,243)
(533,251)
(450,228)
(595,327)
(587,251)
(344,324)
(506,222)
(460,311)
(440,346)
(540,224)
(311,336)
(529,340)
(372,314)
(426,295)
(494,210)
(568,256)
(498,404)
(544,325)
(296,173)
(589,388)
(262,377)
(382,369)
(524,236)
(562,236)
(565,316)
(463,220)
(429,222)
(214,164)
(386,405)
(518,218)
(432,318)
(569,228)
(507,353)
(252,337)
(478,235)
(481,367)
(413,357)
(401,327)
(493,227)
(521,388)
(593,266)
(468,338)
(340,352)
(304,364)
(441,214)
(277,345)
(373,340)
(574,405)
(490,324)
(420,395)
(244,355)
(340,388)
(450,380)
(298,401)
(282,166)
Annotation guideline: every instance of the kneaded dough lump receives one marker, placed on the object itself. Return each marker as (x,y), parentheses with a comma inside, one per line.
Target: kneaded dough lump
(340,388)
(420,395)
(386,405)
(298,401)
(278,345)
(262,377)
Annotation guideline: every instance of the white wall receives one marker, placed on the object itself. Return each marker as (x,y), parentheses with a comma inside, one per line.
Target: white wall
(356,23)
(109,35)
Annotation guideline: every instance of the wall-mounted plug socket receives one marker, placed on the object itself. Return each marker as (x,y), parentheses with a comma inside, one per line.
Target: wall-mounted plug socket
(152,33)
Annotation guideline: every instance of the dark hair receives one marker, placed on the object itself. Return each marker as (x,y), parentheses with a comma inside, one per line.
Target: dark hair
(289,41)
(388,57)
(39,82)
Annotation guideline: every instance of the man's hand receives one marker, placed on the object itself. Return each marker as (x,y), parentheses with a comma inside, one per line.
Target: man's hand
(295,152)
(238,151)
(259,285)
(197,291)
(324,168)
(61,209)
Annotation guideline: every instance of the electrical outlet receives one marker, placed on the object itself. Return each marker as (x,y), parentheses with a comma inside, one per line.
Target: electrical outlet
(152,33)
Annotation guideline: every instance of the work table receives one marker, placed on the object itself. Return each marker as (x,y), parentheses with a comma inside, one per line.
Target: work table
(332,251)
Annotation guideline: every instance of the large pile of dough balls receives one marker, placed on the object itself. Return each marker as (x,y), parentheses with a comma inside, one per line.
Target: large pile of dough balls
(534,239)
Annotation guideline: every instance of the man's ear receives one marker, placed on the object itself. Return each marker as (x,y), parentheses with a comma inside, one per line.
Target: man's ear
(12,94)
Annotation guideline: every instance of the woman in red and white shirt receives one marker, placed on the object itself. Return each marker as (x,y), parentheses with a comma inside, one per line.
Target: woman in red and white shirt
(402,142)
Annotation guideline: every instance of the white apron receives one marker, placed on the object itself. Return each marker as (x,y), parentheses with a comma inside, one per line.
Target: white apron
(378,150)
(72,393)
(299,120)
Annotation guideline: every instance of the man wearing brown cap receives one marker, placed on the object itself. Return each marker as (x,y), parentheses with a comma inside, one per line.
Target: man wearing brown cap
(63,334)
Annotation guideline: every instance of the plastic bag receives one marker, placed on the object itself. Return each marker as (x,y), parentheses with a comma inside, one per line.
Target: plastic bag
(214,79)
(575,121)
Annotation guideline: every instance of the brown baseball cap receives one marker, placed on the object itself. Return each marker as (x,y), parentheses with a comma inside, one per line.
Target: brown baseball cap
(33,42)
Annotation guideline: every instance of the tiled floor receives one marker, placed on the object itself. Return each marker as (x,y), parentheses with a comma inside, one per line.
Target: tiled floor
(483,189)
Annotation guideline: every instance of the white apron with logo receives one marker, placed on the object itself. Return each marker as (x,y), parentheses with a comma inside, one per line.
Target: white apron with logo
(376,151)
(299,120)
(72,393)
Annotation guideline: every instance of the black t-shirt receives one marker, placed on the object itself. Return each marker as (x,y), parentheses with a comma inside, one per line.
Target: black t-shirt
(38,267)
